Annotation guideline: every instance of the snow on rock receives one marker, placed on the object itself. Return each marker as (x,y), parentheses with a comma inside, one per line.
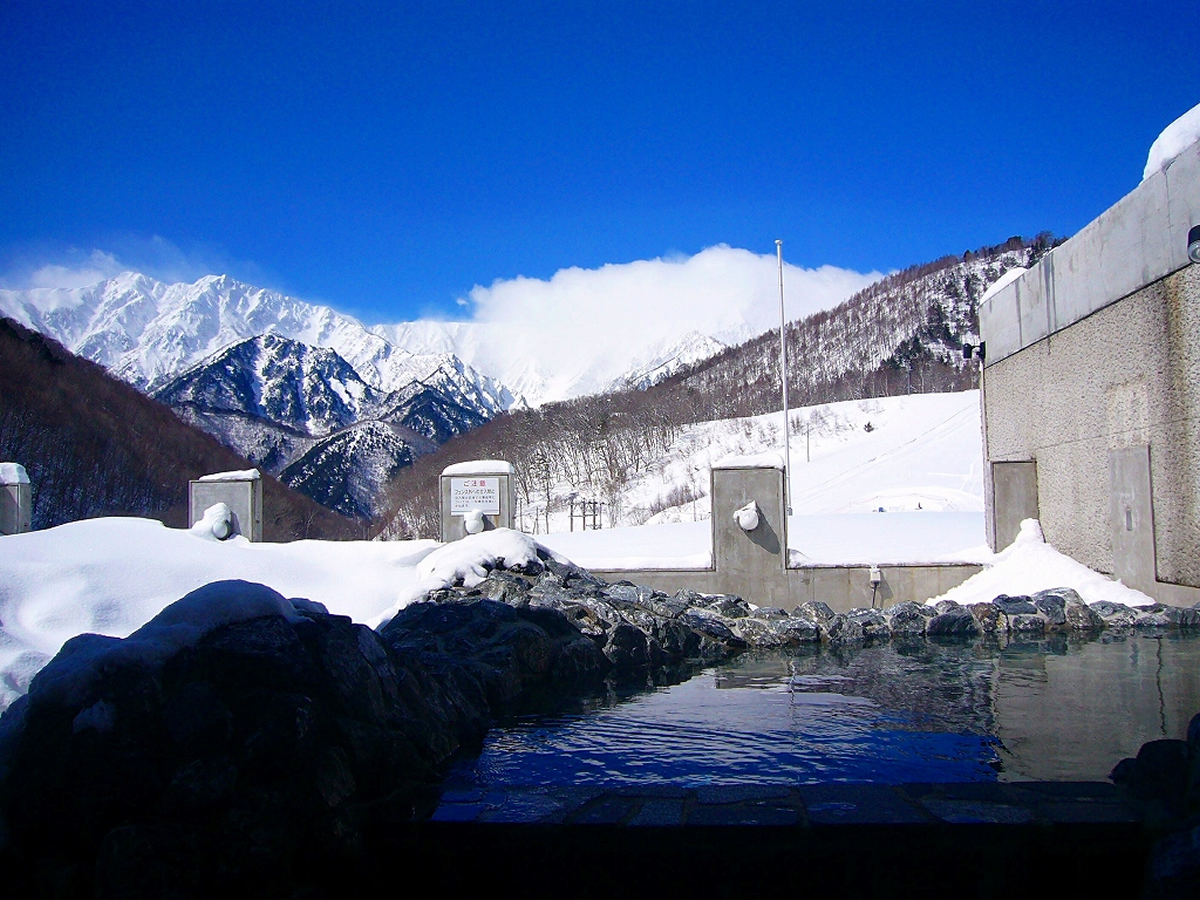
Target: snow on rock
(1029,565)
(241,475)
(480,467)
(468,562)
(1175,138)
(13,473)
(180,625)
(112,575)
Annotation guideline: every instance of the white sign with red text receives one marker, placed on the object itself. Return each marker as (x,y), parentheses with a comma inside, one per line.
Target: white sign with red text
(482,494)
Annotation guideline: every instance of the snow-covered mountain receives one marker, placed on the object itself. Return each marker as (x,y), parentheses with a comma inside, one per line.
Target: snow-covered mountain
(304,413)
(663,362)
(148,332)
(285,383)
(311,389)
(347,470)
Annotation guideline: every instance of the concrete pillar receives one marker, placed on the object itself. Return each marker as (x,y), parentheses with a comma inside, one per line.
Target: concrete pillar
(749,555)
(16,499)
(479,495)
(240,491)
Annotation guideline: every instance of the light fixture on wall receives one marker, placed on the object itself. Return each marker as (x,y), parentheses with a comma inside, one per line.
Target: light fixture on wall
(1194,244)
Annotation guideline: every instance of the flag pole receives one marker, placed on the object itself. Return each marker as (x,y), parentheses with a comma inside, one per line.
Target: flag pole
(787,454)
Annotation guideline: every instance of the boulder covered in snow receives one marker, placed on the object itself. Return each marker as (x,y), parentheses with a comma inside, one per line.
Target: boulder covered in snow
(236,740)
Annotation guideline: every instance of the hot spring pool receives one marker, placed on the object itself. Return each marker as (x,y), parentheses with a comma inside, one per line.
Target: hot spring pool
(1056,709)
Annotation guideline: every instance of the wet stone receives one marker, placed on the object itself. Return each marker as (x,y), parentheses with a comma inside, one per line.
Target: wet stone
(744,814)
(871,804)
(714,794)
(968,812)
(659,812)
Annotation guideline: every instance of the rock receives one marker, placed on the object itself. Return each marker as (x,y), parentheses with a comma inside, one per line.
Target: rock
(907,619)
(1106,608)
(955,621)
(990,617)
(814,610)
(1152,617)
(842,630)
(944,606)
(250,741)
(730,606)
(1182,617)
(1115,615)
(1015,605)
(1160,775)
(795,631)
(1052,604)
(872,622)
(1026,624)
(1082,617)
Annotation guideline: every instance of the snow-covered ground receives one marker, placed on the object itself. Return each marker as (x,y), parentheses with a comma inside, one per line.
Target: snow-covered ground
(893,480)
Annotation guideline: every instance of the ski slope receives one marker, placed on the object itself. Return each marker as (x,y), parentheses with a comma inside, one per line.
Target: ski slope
(885,481)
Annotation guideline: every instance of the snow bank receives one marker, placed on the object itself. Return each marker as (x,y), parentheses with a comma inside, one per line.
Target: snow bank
(112,575)
(767,460)
(180,625)
(240,475)
(1029,565)
(1002,282)
(467,562)
(1175,138)
(13,473)
(480,467)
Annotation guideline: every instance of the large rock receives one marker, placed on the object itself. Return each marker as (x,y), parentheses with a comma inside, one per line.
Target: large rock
(955,621)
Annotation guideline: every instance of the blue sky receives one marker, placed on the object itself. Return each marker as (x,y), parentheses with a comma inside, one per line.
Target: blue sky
(386,158)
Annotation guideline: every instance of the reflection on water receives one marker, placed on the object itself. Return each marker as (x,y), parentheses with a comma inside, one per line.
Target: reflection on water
(1055,709)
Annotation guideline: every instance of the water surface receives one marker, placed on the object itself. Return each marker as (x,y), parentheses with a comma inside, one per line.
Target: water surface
(1054,709)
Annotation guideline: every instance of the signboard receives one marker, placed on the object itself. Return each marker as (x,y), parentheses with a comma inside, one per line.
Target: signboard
(482,494)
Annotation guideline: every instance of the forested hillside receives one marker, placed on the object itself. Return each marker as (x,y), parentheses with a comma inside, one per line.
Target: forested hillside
(901,335)
(95,446)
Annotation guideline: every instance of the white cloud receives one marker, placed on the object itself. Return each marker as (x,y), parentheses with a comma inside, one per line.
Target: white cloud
(96,266)
(72,267)
(619,310)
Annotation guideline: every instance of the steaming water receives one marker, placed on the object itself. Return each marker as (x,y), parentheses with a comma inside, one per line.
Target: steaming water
(893,713)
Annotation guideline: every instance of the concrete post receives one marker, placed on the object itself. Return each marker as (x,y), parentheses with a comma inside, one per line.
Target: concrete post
(750,542)
(16,499)
(240,491)
(479,495)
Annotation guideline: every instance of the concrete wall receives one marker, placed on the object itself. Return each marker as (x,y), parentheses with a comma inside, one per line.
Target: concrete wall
(244,499)
(1138,241)
(842,587)
(753,564)
(1093,371)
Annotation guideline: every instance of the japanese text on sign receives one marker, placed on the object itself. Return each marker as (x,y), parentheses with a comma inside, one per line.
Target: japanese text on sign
(482,494)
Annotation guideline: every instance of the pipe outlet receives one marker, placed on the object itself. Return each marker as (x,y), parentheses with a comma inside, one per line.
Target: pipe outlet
(747,518)
(473,521)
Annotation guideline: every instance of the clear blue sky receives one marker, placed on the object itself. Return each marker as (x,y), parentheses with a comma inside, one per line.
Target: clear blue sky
(387,157)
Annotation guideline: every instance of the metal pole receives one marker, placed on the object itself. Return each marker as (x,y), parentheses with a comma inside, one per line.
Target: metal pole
(787,455)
